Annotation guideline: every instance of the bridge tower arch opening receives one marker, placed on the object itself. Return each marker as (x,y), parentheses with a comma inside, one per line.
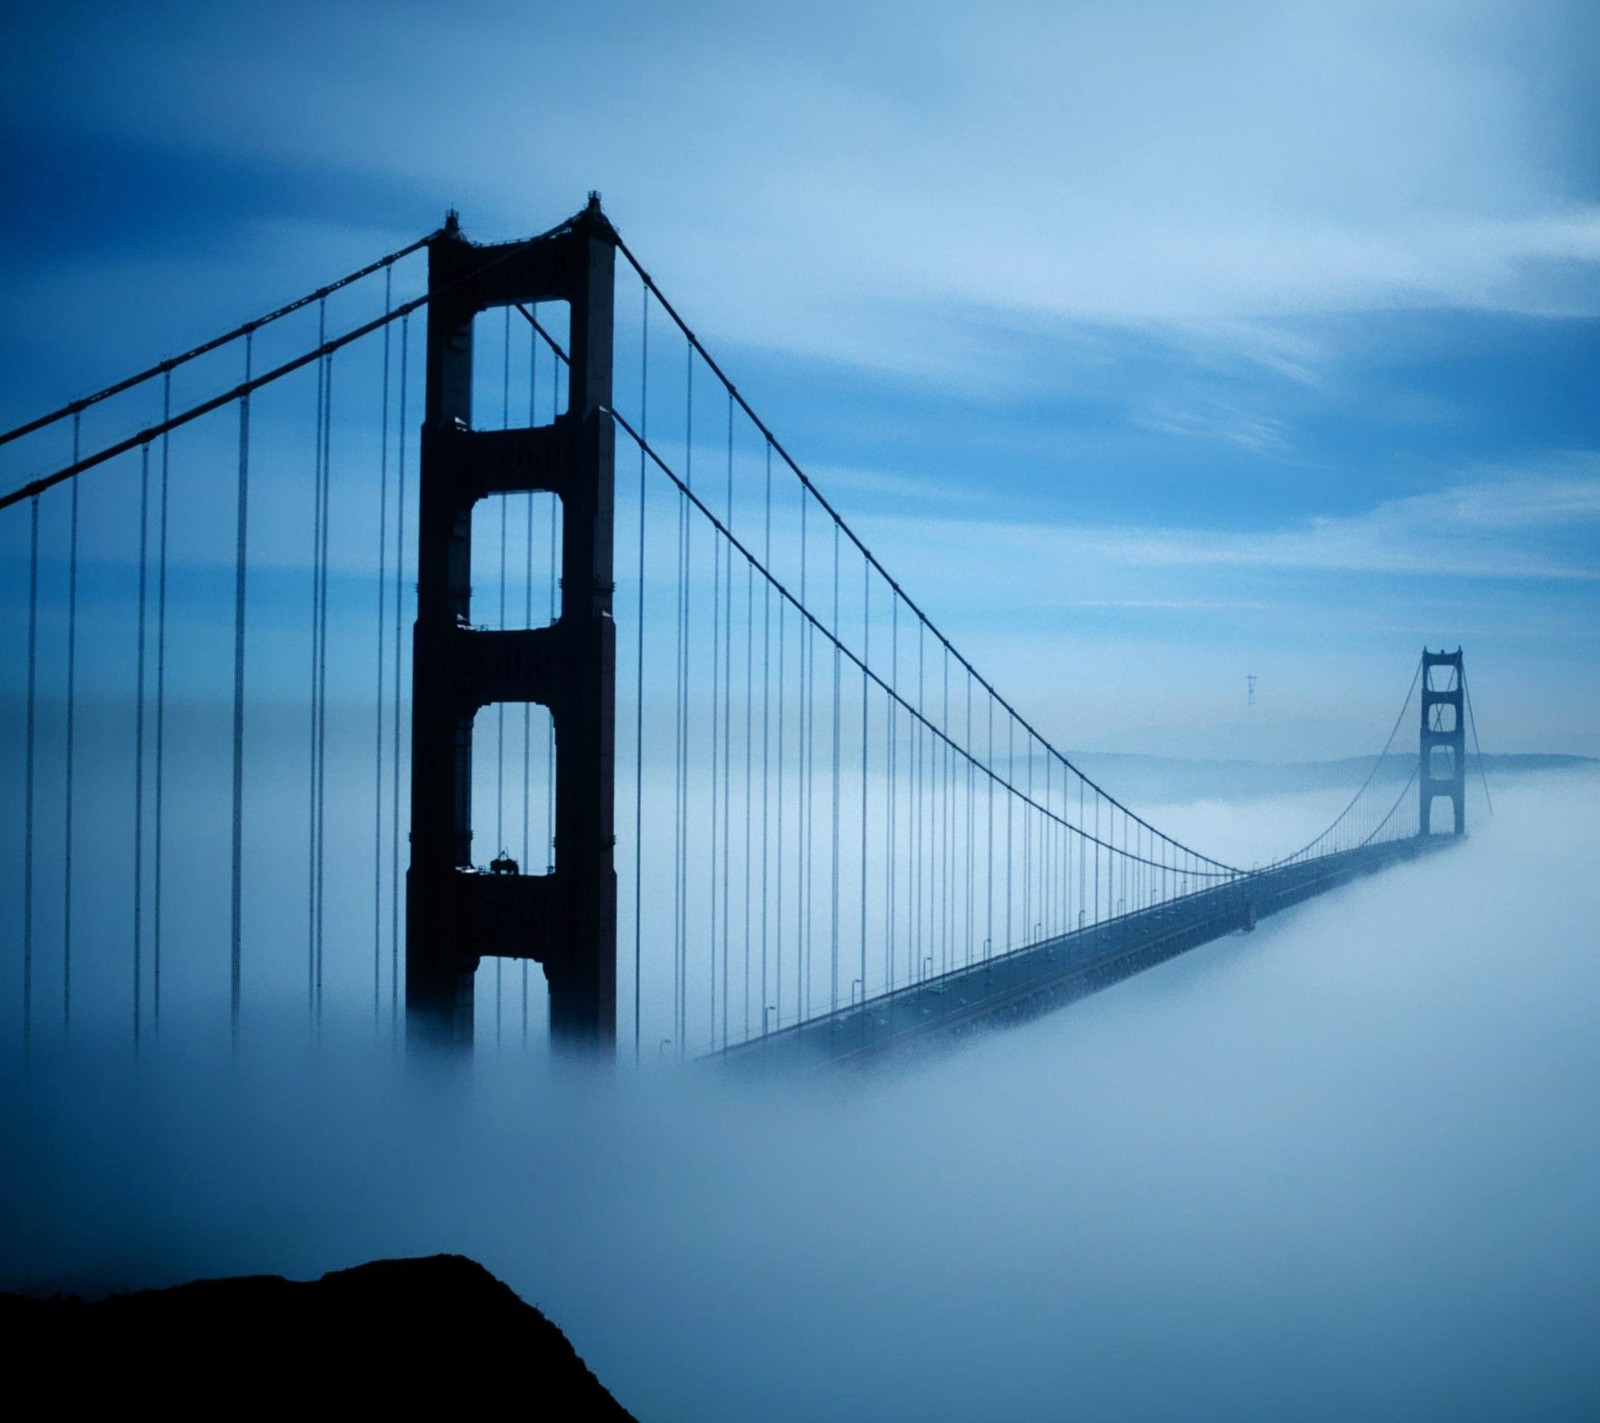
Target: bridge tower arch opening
(1442,768)
(566,919)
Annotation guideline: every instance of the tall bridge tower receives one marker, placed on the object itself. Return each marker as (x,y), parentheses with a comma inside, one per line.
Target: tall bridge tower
(1443,768)
(564,920)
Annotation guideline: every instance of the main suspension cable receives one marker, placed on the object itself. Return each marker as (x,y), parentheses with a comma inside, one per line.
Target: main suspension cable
(166,367)
(171,422)
(814,624)
(1377,763)
(697,346)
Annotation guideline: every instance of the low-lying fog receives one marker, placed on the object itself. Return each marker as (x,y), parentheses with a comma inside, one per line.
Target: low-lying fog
(1345,1167)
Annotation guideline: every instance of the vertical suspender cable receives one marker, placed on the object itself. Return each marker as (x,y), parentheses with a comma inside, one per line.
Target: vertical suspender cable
(161,718)
(688,564)
(749,765)
(1011,805)
(972,824)
(766,721)
(27,794)
(316,700)
(383,685)
(727,728)
(500,707)
(749,771)
(1097,857)
(989,878)
(1064,850)
(555,579)
(527,612)
(322,677)
(527,618)
(638,706)
(952,775)
(916,812)
(937,896)
(889,857)
(394,790)
(937,766)
(72,718)
(550,732)
(1126,865)
(243,506)
(383,586)
(777,898)
(681,894)
(727,725)
(807,765)
(833,936)
(946,820)
(716,710)
(1083,859)
(866,661)
(801,783)
(1029,904)
(921,818)
(556,371)
(678,847)
(138,746)
(766,713)
(1046,862)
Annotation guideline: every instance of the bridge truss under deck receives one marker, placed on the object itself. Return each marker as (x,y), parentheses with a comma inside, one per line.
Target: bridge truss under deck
(1015,987)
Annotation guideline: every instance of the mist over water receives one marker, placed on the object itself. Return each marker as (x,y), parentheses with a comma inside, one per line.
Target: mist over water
(1344,1167)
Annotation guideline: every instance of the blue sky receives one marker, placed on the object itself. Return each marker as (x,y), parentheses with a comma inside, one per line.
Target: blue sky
(1150,345)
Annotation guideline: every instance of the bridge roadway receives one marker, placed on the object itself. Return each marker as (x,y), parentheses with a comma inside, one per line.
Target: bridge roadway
(1014,987)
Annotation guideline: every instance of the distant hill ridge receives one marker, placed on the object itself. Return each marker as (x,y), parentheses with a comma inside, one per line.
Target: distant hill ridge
(1163,777)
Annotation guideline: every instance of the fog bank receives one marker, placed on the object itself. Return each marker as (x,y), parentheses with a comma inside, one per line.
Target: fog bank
(1343,1167)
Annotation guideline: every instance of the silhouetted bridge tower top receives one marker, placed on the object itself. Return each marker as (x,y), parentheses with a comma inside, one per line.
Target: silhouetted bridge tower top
(761,805)
(566,919)
(1442,769)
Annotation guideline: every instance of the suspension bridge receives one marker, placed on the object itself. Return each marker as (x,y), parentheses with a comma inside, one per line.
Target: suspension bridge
(457,640)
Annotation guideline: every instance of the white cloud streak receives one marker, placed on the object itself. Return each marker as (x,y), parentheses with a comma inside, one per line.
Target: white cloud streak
(1212,169)
(1498,528)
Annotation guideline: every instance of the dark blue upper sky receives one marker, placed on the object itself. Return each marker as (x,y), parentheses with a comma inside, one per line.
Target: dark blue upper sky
(1200,339)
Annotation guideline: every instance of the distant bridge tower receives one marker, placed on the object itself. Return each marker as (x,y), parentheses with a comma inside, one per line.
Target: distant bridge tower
(565,920)
(1443,768)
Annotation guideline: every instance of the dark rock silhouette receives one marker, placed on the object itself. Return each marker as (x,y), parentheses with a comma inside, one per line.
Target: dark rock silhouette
(398,1330)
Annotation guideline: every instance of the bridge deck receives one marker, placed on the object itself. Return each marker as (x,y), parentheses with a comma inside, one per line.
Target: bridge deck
(1014,987)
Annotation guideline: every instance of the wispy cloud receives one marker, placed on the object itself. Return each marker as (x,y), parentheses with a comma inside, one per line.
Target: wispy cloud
(1501,529)
(1537,524)
(887,485)
(1170,605)
(1215,170)
(1218,420)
